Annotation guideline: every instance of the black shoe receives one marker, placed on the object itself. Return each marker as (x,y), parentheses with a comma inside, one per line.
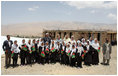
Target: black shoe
(106,64)
(103,63)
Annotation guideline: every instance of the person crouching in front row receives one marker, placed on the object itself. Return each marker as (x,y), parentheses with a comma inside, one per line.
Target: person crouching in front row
(15,53)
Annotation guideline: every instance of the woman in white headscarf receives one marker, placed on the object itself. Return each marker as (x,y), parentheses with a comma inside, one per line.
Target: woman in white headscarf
(95,52)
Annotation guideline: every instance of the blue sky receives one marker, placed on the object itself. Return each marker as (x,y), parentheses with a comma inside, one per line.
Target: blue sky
(35,11)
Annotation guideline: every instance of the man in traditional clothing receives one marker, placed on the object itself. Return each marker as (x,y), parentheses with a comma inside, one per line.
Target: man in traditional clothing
(106,52)
(67,39)
(7,48)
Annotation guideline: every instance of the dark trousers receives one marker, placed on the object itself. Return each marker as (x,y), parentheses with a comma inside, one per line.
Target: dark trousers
(28,58)
(73,60)
(7,59)
(53,57)
(63,59)
(23,61)
(34,56)
(67,60)
(15,59)
(79,61)
(42,60)
(47,58)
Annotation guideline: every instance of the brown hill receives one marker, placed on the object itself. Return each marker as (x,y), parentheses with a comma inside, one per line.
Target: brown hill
(36,28)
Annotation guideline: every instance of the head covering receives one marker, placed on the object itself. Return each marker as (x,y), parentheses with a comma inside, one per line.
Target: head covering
(83,39)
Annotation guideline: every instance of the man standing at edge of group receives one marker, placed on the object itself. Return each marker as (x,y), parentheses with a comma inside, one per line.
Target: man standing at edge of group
(7,44)
(106,52)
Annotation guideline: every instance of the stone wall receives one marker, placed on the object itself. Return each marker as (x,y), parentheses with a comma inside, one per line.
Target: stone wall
(100,35)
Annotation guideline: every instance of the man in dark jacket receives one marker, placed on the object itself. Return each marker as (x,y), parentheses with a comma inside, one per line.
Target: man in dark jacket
(47,39)
(7,48)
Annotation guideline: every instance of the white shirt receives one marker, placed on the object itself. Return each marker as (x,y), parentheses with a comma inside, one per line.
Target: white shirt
(29,46)
(91,42)
(21,45)
(67,40)
(58,46)
(47,46)
(15,48)
(42,48)
(87,47)
(32,44)
(84,43)
(51,46)
(59,40)
(73,41)
(73,51)
(80,50)
(67,49)
(95,45)
(63,47)
(78,41)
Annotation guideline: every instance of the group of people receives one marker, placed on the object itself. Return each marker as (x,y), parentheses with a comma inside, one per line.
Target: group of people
(66,51)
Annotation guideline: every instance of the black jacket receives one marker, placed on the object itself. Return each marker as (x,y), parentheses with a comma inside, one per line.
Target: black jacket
(6,46)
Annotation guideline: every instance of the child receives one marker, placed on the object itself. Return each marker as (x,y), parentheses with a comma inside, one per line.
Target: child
(15,52)
(47,51)
(88,55)
(68,51)
(73,57)
(58,51)
(23,50)
(33,48)
(29,54)
(42,53)
(79,55)
(53,52)
(63,53)
(37,50)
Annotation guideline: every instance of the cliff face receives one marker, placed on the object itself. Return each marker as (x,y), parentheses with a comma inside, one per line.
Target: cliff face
(36,28)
